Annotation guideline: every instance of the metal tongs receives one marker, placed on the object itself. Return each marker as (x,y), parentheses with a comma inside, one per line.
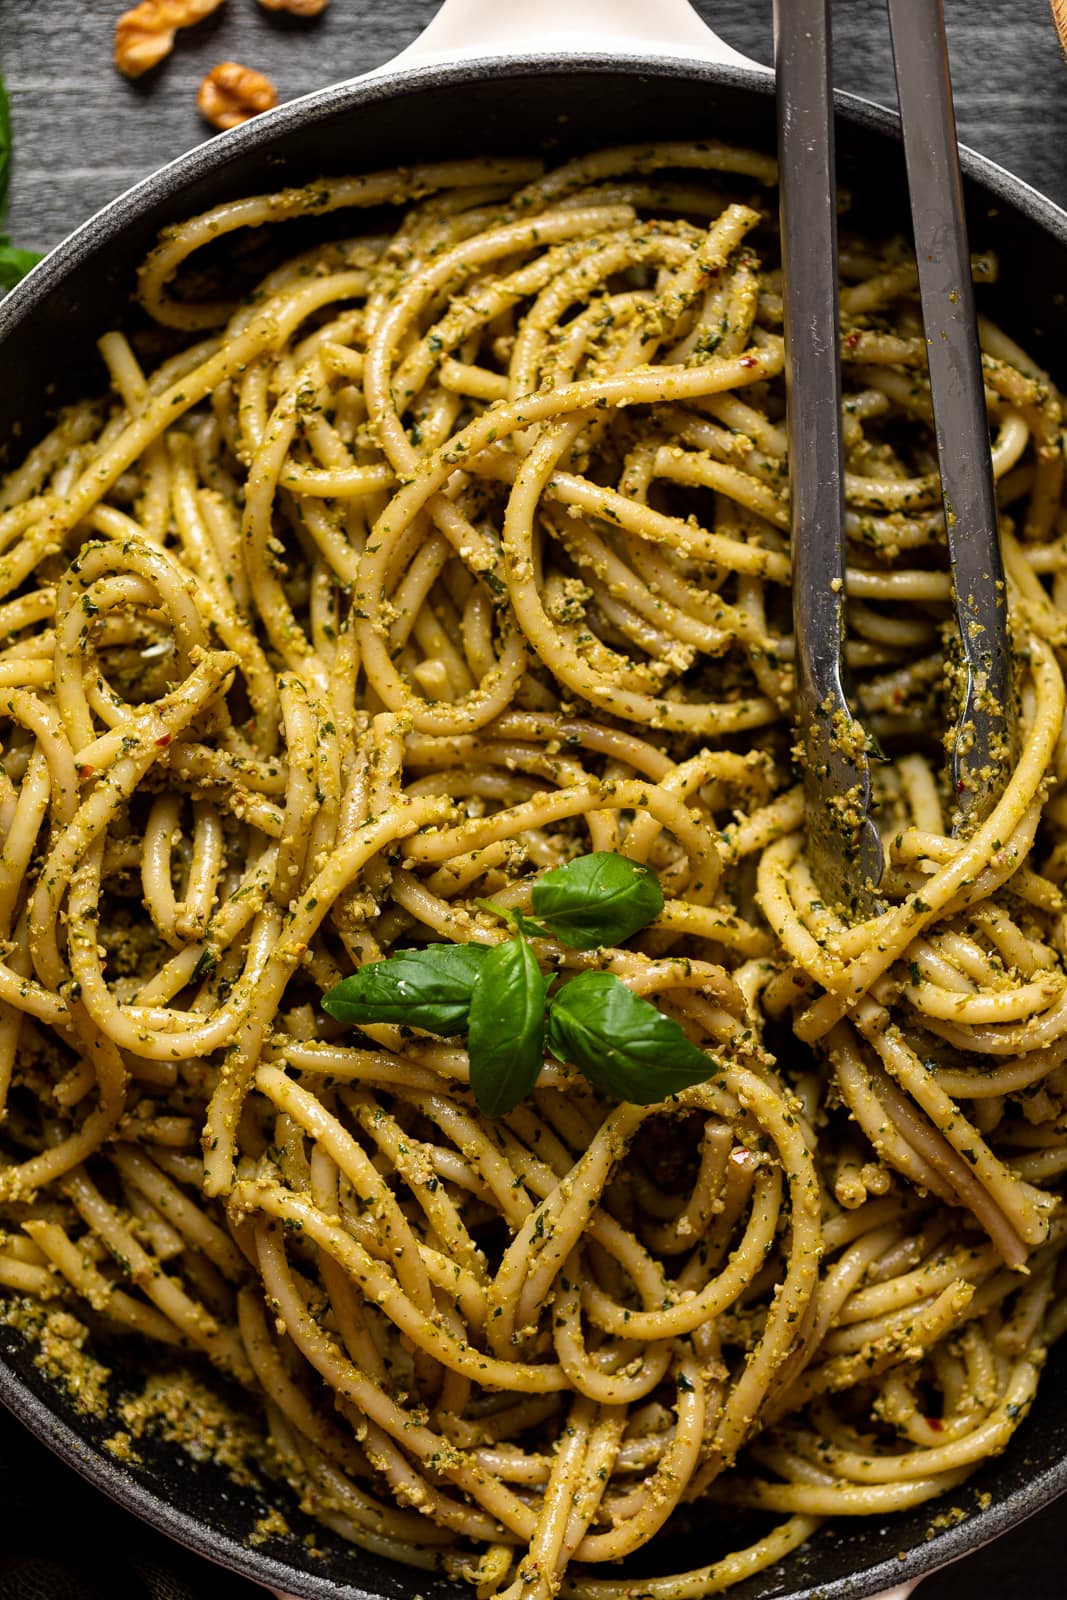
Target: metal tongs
(844,846)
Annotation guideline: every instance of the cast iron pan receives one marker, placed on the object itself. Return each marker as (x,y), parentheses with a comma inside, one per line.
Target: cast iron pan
(591,74)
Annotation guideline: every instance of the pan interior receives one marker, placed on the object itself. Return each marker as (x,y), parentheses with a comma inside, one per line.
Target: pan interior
(48,331)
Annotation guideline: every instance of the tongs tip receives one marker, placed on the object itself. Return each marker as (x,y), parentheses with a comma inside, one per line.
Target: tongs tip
(844,845)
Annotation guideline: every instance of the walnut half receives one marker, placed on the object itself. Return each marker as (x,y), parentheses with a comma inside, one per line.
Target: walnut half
(145,35)
(231,94)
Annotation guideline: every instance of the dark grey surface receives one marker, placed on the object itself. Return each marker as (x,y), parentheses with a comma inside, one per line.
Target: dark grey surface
(83,134)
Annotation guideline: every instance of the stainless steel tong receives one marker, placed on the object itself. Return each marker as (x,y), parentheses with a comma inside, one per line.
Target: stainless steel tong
(844,845)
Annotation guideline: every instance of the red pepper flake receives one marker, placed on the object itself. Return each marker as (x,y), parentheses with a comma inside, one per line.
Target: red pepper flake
(748,361)
(86,772)
(165,740)
(935,1423)
(852,340)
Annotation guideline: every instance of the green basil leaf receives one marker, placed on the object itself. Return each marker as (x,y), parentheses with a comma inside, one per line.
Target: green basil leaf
(597,899)
(14,263)
(624,1045)
(428,989)
(507,1027)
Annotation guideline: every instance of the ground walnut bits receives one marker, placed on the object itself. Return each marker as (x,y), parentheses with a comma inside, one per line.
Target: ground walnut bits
(231,94)
(145,35)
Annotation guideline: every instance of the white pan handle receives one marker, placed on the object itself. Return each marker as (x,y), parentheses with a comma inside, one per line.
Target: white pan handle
(468,30)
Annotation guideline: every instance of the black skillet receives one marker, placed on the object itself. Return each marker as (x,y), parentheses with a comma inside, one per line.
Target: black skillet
(489,76)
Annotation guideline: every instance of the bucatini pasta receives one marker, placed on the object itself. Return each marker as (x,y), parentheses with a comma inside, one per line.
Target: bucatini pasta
(452,553)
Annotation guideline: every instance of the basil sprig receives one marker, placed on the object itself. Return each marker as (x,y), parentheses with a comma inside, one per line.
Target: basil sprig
(513,1013)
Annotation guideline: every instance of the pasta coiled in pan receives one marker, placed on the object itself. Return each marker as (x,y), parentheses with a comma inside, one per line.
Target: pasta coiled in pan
(449,555)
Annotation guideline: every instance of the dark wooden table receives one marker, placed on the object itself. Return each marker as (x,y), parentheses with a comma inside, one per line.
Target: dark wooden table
(82,135)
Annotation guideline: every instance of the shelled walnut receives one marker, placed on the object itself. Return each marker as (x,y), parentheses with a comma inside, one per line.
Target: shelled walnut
(231,94)
(145,35)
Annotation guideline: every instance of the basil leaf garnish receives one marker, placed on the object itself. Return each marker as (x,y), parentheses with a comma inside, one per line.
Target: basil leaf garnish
(507,1027)
(499,996)
(597,899)
(428,989)
(623,1045)
(14,263)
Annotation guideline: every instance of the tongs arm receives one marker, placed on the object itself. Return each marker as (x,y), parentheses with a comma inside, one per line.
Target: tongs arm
(984,736)
(843,843)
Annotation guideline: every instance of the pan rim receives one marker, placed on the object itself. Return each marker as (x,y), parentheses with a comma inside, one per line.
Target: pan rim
(260,133)
(93,236)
